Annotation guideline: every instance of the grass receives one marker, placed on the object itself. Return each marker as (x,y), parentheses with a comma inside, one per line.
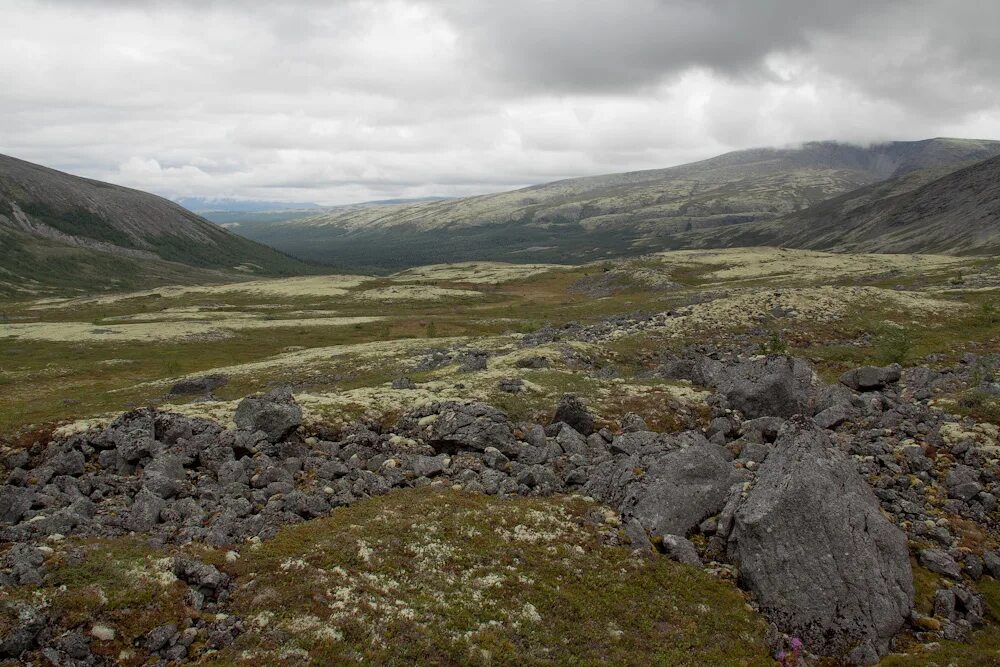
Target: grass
(46,382)
(120,583)
(983,649)
(436,576)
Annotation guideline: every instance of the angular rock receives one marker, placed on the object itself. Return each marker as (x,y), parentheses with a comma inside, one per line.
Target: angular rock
(429,466)
(471,426)
(571,441)
(68,463)
(680,490)
(14,502)
(637,537)
(571,410)
(963,483)
(205,384)
(276,414)
(991,563)
(815,550)
(700,370)
(939,561)
(164,476)
(868,378)
(538,477)
(775,386)
(145,511)
(133,435)
(681,550)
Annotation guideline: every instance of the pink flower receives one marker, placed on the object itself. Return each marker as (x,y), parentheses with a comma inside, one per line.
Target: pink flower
(796,644)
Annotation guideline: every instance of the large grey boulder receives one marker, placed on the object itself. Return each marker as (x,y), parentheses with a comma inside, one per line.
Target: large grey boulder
(814,548)
(698,369)
(133,435)
(205,384)
(145,511)
(15,501)
(868,378)
(774,386)
(276,414)
(474,426)
(164,476)
(681,489)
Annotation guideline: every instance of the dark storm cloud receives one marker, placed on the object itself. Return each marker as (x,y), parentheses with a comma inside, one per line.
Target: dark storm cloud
(344,101)
(612,46)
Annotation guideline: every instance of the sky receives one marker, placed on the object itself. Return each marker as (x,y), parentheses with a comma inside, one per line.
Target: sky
(337,102)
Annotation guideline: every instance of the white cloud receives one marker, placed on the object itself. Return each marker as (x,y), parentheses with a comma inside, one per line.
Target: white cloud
(339,102)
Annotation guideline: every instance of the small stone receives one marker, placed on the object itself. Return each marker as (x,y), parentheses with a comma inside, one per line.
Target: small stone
(940,562)
(103,633)
(681,550)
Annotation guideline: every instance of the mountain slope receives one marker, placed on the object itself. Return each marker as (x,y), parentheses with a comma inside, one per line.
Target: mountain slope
(51,221)
(601,216)
(956,213)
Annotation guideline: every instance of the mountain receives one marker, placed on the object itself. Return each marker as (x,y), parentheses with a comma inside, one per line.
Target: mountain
(61,232)
(955,213)
(248,214)
(618,214)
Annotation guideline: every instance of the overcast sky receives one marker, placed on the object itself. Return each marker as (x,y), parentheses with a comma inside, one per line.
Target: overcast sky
(336,102)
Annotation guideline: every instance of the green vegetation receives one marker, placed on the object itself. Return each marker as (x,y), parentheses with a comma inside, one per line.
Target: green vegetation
(47,381)
(984,648)
(445,577)
(123,584)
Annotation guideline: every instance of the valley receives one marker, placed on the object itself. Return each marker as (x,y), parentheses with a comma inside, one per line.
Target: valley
(449,459)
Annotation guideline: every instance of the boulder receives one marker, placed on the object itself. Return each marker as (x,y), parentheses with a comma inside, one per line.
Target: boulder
(963,483)
(164,476)
(145,511)
(700,370)
(205,384)
(868,378)
(132,435)
(276,414)
(14,502)
(941,562)
(680,489)
(429,466)
(681,550)
(633,423)
(571,410)
(774,386)
(474,426)
(813,547)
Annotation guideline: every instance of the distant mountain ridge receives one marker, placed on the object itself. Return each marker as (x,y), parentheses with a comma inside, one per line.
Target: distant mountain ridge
(617,214)
(59,231)
(952,213)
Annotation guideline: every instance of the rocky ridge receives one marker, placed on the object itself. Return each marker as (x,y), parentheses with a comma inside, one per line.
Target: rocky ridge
(868,465)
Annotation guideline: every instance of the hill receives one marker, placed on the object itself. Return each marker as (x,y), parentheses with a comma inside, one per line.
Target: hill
(612,215)
(954,213)
(62,232)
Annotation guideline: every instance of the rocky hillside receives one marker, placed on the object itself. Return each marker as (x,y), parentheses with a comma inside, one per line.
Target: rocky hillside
(727,457)
(62,231)
(612,215)
(957,213)
(813,497)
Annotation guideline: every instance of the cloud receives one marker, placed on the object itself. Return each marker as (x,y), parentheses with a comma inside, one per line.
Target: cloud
(348,101)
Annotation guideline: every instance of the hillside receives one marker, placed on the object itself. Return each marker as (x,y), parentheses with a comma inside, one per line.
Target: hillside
(462,460)
(64,232)
(612,215)
(955,213)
